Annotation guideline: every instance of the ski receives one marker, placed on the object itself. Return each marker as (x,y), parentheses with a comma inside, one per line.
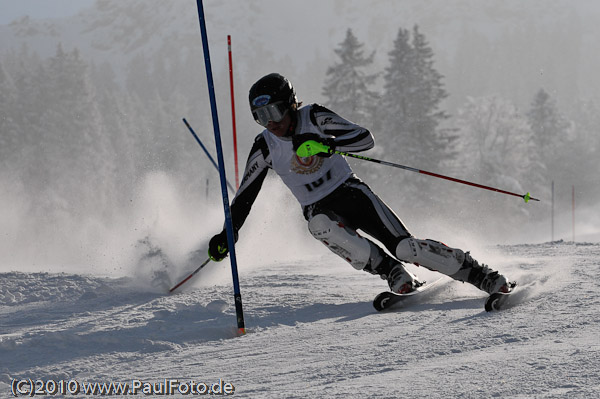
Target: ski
(499,300)
(387,299)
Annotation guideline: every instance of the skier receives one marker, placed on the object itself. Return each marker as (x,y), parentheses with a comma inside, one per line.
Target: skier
(335,202)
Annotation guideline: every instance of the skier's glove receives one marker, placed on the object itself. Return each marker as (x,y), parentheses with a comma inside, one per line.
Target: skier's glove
(217,247)
(299,139)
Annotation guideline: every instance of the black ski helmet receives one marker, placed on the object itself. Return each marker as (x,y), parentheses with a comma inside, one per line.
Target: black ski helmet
(272,88)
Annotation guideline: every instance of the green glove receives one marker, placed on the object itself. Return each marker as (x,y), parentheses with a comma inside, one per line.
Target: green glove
(217,247)
(312,147)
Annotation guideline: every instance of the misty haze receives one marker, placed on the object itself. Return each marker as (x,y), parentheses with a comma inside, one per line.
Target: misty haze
(97,168)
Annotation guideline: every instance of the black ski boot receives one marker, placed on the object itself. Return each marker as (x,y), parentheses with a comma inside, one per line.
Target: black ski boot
(482,277)
(400,280)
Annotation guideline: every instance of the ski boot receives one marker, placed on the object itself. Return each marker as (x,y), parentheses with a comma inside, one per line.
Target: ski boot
(482,277)
(400,280)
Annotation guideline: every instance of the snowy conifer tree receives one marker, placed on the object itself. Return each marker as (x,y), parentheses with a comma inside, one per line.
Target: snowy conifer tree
(75,148)
(548,126)
(494,141)
(496,149)
(585,148)
(398,78)
(8,126)
(409,113)
(348,86)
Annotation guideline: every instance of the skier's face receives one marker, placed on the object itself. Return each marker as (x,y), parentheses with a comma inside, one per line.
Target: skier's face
(280,128)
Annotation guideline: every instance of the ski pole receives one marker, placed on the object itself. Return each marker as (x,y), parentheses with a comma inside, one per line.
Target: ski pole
(311,147)
(190,276)
(206,151)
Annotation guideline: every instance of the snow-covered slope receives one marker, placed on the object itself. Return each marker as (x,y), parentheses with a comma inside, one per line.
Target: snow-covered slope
(312,332)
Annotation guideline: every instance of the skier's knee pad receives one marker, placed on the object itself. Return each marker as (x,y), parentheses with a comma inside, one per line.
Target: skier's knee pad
(341,240)
(431,254)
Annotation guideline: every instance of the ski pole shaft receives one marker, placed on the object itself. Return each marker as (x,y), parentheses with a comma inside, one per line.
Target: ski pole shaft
(190,276)
(311,147)
(526,196)
(206,151)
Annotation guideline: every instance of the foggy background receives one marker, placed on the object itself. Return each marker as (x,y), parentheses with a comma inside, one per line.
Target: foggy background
(94,156)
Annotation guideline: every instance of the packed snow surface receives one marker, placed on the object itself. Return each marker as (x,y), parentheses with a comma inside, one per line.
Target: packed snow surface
(312,331)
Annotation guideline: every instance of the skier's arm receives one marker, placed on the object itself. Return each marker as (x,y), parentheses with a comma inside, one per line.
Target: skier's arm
(256,170)
(254,176)
(347,136)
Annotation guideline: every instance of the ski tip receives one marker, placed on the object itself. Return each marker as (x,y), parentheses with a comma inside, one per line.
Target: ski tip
(381,301)
(498,301)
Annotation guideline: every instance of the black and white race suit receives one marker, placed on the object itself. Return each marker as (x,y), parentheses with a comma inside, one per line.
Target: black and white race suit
(320,184)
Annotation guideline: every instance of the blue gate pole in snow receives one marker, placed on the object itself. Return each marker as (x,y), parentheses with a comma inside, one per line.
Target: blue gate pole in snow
(206,151)
(228,223)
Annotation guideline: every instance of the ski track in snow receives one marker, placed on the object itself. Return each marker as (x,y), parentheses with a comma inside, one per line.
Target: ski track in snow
(312,332)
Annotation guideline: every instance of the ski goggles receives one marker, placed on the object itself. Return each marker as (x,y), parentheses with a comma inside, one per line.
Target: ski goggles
(272,112)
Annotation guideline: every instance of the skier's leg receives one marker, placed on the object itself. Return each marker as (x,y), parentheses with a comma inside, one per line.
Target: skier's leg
(343,241)
(360,252)
(361,209)
(452,262)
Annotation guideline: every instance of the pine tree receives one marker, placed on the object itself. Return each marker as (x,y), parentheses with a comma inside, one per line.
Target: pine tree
(410,115)
(75,148)
(118,123)
(429,93)
(398,79)
(348,86)
(9,139)
(496,148)
(548,125)
(583,151)
(494,142)
(30,81)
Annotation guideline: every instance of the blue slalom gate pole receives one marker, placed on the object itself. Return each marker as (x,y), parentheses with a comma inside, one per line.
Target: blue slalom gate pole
(228,222)
(206,151)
